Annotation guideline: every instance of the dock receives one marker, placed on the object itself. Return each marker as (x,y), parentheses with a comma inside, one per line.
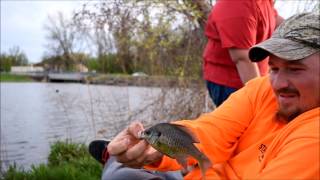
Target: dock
(56,77)
(66,77)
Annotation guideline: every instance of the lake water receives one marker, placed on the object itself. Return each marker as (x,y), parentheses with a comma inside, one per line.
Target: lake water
(34,115)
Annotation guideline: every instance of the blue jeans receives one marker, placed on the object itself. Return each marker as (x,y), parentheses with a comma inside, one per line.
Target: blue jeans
(219,93)
(114,170)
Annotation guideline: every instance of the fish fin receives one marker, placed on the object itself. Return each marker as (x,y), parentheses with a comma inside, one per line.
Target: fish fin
(182,160)
(188,131)
(204,164)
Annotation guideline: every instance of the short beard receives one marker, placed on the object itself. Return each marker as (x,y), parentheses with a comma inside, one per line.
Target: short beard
(282,115)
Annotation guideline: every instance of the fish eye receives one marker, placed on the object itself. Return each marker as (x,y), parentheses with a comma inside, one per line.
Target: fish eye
(147,132)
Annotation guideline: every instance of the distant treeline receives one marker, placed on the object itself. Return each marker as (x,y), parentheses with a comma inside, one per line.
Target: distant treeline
(15,57)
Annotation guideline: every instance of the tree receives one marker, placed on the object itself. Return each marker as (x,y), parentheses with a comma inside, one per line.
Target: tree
(14,57)
(5,62)
(63,41)
(154,36)
(19,57)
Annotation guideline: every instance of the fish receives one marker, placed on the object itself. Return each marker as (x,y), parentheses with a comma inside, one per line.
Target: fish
(177,142)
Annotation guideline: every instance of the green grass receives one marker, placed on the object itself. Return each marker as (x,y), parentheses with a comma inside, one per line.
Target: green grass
(5,77)
(68,161)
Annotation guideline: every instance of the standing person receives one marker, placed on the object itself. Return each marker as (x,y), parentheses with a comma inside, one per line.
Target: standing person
(232,28)
(269,129)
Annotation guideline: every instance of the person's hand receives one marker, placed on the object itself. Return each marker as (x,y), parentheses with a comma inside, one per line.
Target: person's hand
(130,150)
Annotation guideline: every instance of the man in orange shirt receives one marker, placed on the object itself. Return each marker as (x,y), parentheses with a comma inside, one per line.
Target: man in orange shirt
(269,129)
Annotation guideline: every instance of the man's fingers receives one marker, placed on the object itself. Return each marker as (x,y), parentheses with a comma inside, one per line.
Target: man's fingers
(133,152)
(125,139)
(147,157)
(118,146)
(137,150)
(135,128)
(126,146)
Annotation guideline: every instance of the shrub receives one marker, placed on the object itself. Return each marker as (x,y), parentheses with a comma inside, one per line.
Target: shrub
(68,161)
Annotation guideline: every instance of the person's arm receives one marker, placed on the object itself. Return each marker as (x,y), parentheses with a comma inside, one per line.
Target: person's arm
(247,70)
(297,159)
(219,131)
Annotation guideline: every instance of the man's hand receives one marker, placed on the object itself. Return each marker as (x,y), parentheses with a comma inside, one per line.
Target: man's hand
(130,150)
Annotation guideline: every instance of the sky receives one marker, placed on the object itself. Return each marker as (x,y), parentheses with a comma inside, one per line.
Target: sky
(22,22)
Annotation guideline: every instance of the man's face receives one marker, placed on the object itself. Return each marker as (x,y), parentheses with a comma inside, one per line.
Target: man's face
(296,84)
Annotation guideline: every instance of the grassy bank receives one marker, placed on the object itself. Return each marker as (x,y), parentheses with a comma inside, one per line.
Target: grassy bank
(6,77)
(66,161)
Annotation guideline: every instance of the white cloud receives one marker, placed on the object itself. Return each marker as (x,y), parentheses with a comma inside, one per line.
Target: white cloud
(22,24)
(287,8)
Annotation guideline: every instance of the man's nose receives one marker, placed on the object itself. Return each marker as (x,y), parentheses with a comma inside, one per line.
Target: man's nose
(280,80)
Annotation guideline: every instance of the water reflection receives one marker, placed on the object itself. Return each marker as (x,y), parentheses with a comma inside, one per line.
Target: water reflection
(33,115)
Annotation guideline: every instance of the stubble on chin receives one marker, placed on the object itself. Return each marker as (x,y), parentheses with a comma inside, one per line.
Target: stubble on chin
(286,115)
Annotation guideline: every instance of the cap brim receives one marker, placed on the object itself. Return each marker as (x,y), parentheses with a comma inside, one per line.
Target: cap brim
(282,48)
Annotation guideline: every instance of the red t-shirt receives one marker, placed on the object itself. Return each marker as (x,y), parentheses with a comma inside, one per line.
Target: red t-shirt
(239,24)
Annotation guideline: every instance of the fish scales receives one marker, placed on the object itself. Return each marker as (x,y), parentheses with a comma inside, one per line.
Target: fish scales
(175,141)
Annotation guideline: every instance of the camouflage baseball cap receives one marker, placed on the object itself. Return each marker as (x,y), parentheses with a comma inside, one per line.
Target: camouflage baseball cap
(296,38)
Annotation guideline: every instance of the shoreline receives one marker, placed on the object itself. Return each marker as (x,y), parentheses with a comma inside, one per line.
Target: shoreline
(145,81)
(117,80)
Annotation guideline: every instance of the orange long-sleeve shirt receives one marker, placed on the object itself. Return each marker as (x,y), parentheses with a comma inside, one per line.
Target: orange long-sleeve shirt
(244,139)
